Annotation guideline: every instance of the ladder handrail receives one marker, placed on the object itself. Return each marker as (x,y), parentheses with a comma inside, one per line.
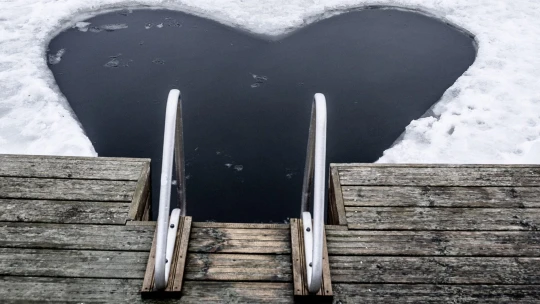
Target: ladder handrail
(166,229)
(179,158)
(314,175)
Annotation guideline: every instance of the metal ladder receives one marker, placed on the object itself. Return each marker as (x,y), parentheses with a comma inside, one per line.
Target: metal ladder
(314,183)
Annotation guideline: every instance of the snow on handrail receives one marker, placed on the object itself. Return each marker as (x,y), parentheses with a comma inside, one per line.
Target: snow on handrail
(166,228)
(314,175)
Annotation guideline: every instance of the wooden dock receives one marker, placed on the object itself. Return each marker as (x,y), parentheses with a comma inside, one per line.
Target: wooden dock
(76,230)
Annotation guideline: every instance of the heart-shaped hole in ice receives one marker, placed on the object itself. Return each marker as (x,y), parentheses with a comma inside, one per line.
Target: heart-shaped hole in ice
(247,99)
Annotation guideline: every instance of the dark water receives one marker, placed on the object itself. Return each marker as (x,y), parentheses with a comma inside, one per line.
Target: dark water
(247,100)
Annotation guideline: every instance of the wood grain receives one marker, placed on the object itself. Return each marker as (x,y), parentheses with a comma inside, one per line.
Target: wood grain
(66,189)
(434,243)
(336,207)
(238,240)
(435,294)
(72,263)
(75,236)
(435,270)
(238,267)
(405,218)
(74,212)
(71,167)
(427,196)
(440,175)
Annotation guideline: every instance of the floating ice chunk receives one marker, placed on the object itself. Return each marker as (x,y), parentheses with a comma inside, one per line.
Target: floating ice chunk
(55,58)
(148,26)
(82,26)
(113,63)
(258,80)
(238,168)
(114,27)
(228,165)
(159,25)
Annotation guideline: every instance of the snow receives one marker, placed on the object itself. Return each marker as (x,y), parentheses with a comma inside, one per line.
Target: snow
(490,115)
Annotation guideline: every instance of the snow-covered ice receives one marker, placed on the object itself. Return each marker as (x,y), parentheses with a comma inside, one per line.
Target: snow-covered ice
(490,115)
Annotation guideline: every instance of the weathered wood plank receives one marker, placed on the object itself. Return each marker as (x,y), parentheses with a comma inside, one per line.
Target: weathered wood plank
(79,212)
(435,294)
(238,267)
(336,208)
(66,189)
(71,167)
(486,197)
(72,263)
(68,290)
(72,236)
(238,240)
(236,292)
(297,254)
(435,270)
(141,196)
(82,290)
(177,266)
(240,225)
(300,280)
(180,254)
(434,243)
(409,218)
(440,175)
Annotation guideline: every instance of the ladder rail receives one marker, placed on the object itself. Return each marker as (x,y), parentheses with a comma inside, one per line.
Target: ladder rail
(173,148)
(314,182)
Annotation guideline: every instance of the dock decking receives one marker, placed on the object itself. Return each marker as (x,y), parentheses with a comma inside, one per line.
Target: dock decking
(77,230)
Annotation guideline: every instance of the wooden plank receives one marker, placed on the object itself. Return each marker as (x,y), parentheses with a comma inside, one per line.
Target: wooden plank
(238,240)
(72,263)
(298,257)
(141,223)
(68,290)
(75,212)
(240,225)
(440,175)
(238,267)
(335,227)
(236,292)
(141,196)
(78,290)
(148,281)
(74,236)
(434,243)
(71,167)
(435,294)
(336,208)
(180,255)
(66,189)
(405,218)
(178,262)
(426,196)
(435,270)
(300,288)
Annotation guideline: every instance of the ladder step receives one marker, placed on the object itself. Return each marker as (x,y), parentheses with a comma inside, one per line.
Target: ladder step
(174,284)
(301,293)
